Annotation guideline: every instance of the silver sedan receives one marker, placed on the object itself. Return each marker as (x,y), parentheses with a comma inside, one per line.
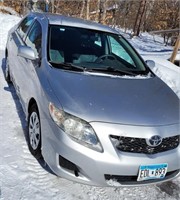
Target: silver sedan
(96,112)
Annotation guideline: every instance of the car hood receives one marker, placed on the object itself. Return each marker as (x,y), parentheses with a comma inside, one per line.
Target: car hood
(115,99)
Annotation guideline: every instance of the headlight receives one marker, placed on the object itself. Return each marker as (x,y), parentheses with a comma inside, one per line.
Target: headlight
(78,129)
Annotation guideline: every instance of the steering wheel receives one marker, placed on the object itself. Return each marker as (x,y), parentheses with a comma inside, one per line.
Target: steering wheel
(105,57)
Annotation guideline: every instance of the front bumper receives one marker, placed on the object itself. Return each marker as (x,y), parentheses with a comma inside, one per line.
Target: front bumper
(111,166)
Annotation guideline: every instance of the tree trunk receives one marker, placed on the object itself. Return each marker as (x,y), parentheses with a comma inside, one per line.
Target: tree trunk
(127,9)
(103,9)
(139,17)
(104,12)
(52,5)
(97,11)
(148,13)
(82,9)
(87,9)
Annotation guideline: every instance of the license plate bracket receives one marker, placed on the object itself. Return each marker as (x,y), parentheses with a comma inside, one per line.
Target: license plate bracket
(155,171)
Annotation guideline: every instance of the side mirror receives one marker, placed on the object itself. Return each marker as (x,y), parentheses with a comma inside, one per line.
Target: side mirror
(26,52)
(150,63)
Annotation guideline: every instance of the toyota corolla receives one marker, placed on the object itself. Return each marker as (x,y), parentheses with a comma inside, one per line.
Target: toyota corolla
(96,113)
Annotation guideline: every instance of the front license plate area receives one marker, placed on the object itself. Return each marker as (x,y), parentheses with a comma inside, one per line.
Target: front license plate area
(147,172)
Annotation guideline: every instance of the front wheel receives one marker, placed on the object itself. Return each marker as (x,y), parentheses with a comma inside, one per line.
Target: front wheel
(34,132)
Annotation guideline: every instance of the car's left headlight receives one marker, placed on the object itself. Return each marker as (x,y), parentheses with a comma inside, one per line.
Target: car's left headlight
(78,129)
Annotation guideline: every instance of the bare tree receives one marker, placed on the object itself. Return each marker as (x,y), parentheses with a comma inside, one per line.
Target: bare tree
(82,9)
(87,9)
(102,11)
(52,5)
(139,17)
(97,10)
(127,10)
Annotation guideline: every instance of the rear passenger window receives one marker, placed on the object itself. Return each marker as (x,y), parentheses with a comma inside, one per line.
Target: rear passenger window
(34,38)
(23,27)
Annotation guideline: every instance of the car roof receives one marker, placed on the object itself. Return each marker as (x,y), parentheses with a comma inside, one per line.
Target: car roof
(56,19)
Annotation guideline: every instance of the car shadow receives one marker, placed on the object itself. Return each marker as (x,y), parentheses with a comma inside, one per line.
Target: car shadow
(10,88)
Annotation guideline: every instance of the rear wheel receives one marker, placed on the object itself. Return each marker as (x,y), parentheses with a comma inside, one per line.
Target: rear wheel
(7,72)
(34,132)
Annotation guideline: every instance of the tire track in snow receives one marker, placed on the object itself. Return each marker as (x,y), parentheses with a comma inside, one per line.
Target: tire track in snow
(96,193)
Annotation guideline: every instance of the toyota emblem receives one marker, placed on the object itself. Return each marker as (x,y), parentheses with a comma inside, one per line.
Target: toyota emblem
(154,141)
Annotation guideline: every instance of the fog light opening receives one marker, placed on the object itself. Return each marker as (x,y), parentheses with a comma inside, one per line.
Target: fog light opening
(76,173)
(69,166)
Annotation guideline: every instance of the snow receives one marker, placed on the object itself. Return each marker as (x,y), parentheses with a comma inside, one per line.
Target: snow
(113,182)
(23,177)
(117,76)
(6,22)
(147,44)
(168,72)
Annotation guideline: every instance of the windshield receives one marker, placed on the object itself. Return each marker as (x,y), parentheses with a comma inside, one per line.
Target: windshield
(92,51)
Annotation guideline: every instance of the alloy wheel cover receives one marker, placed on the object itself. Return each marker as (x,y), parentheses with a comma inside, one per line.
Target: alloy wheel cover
(34,130)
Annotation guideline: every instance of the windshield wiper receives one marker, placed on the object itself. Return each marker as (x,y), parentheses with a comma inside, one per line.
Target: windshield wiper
(111,70)
(71,66)
(67,66)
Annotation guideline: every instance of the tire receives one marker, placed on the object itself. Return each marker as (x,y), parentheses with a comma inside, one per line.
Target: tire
(34,132)
(7,73)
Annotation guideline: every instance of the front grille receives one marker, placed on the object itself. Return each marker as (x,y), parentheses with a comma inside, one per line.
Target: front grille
(139,145)
(132,180)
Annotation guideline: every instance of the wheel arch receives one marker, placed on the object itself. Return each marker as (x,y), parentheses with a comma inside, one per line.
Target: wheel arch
(33,107)
(6,53)
(32,102)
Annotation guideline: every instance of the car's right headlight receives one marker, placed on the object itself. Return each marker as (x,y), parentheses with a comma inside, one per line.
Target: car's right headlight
(78,129)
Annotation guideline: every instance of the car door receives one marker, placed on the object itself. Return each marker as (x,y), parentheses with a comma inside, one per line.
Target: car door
(29,80)
(16,39)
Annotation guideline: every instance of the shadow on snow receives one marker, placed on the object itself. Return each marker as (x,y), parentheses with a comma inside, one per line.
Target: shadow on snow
(21,115)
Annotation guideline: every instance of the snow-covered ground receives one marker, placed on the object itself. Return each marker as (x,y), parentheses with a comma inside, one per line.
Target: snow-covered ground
(23,177)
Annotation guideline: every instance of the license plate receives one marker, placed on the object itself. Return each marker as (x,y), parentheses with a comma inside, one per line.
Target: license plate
(147,172)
